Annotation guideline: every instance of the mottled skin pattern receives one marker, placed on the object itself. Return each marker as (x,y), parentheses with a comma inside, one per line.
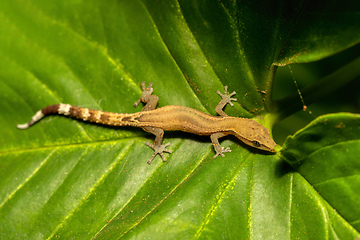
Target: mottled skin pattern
(172,118)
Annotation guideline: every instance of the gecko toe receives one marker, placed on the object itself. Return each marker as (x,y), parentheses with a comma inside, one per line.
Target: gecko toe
(158,149)
(162,157)
(226,149)
(222,151)
(152,158)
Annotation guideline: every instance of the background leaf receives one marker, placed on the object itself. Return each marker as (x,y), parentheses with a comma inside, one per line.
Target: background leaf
(66,178)
(331,144)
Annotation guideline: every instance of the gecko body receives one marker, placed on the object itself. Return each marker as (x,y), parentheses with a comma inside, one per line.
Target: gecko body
(171,118)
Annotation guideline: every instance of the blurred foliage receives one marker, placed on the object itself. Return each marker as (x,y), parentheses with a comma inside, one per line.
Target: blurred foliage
(345,99)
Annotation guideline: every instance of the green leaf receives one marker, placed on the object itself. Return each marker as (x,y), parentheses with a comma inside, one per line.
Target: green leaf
(323,87)
(316,30)
(66,178)
(324,132)
(326,154)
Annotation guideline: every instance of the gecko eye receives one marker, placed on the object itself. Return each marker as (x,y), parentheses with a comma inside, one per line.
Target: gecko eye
(256,144)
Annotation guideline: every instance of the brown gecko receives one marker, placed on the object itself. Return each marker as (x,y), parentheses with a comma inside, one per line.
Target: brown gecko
(172,118)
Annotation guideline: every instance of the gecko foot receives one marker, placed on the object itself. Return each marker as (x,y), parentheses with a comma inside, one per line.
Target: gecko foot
(226,97)
(145,94)
(158,149)
(222,151)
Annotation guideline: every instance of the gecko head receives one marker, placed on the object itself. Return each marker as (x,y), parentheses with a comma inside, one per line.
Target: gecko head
(255,135)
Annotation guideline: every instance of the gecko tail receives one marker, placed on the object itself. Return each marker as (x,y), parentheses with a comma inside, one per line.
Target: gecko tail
(24,126)
(40,114)
(84,114)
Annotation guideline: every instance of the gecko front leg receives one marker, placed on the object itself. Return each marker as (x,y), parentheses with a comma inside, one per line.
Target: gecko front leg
(226,99)
(218,149)
(150,104)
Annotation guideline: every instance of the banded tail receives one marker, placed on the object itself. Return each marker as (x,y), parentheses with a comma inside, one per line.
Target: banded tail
(85,114)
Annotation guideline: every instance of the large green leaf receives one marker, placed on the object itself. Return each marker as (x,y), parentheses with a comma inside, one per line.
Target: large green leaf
(65,178)
(326,153)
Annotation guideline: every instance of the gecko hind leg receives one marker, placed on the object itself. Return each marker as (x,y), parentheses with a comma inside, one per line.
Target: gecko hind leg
(150,100)
(226,99)
(158,150)
(157,147)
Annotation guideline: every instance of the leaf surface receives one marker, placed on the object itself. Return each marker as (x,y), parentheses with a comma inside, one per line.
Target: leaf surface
(66,178)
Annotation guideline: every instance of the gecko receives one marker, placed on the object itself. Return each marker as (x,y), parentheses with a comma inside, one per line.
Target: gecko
(171,118)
